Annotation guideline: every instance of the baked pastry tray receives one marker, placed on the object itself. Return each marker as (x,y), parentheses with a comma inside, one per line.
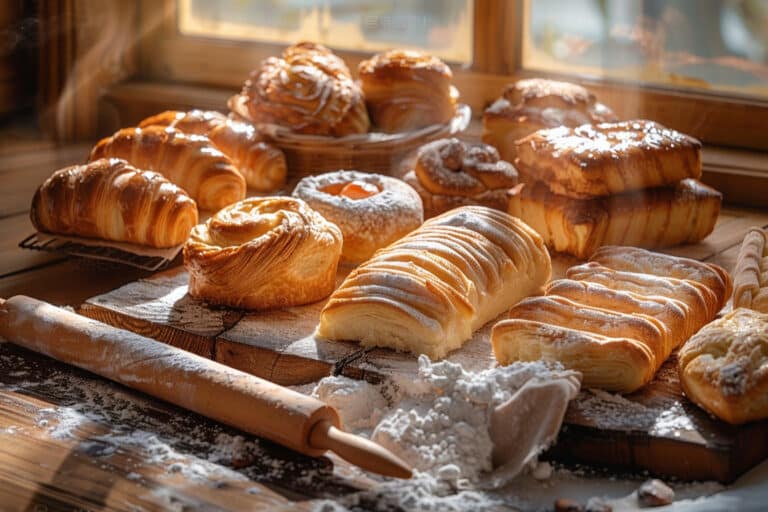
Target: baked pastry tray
(656,429)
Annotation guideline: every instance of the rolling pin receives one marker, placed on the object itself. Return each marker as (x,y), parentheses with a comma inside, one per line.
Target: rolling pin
(206,387)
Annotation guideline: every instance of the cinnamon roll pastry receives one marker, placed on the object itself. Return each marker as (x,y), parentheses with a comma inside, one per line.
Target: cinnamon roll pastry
(658,217)
(609,158)
(111,200)
(534,104)
(724,367)
(307,91)
(449,173)
(750,278)
(406,90)
(371,210)
(189,161)
(429,291)
(261,164)
(263,253)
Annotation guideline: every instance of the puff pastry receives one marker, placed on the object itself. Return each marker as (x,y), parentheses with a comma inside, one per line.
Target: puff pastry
(371,210)
(407,90)
(651,218)
(263,253)
(724,367)
(429,291)
(189,161)
(750,278)
(261,164)
(449,173)
(309,90)
(111,200)
(615,322)
(534,104)
(608,158)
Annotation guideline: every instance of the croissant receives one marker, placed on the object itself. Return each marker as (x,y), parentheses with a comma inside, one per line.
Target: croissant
(307,91)
(407,90)
(656,217)
(608,158)
(111,200)
(449,173)
(429,291)
(261,164)
(263,253)
(750,278)
(189,161)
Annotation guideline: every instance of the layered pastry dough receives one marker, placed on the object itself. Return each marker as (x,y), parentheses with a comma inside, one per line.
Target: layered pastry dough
(263,253)
(449,173)
(429,291)
(724,367)
(617,318)
(608,158)
(534,104)
(657,217)
(750,278)
(309,90)
(189,161)
(406,90)
(371,210)
(111,200)
(261,164)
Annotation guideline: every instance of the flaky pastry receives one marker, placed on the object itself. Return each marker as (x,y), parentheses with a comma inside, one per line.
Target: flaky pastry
(750,278)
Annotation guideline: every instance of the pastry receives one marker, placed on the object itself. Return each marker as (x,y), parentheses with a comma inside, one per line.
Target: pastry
(189,161)
(750,278)
(111,200)
(371,210)
(533,104)
(608,158)
(617,318)
(724,367)
(406,90)
(263,253)
(658,217)
(261,164)
(308,90)
(429,291)
(449,173)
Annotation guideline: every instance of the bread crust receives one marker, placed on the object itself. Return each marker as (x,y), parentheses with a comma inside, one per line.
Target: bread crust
(750,277)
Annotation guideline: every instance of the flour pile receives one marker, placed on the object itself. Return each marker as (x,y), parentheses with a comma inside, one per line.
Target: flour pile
(457,426)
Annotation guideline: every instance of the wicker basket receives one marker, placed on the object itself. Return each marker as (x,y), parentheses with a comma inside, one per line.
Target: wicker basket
(370,152)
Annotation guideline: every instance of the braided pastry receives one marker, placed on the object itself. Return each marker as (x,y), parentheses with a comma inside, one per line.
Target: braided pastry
(263,253)
(406,90)
(261,164)
(750,278)
(189,161)
(308,91)
(111,200)
(449,173)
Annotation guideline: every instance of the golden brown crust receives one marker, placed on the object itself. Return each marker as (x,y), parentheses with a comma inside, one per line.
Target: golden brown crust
(307,91)
(449,173)
(609,158)
(261,164)
(407,90)
(263,253)
(111,200)
(724,367)
(189,161)
(650,218)
(750,277)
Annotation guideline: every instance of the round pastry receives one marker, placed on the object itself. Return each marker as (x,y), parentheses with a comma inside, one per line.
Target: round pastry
(308,91)
(263,253)
(372,210)
(406,90)
(449,173)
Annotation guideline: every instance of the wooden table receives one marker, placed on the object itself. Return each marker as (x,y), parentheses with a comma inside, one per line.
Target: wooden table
(71,440)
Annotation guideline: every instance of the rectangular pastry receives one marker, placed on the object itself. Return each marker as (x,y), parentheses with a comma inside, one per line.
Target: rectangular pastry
(608,158)
(429,291)
(651,218)
(750,278)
